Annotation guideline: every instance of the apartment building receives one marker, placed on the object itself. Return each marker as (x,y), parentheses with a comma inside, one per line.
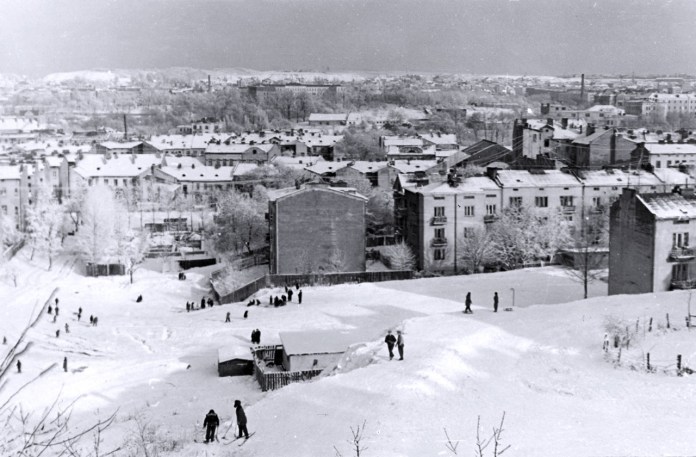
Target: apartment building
(650,242)
(661,105)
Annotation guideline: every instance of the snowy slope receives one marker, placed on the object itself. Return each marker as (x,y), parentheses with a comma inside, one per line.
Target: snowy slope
(543,365)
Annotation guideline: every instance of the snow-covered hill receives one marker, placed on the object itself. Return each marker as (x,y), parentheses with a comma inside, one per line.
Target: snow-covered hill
(542,364)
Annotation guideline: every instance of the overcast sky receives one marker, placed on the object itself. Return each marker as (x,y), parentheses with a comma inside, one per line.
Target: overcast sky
(550,37)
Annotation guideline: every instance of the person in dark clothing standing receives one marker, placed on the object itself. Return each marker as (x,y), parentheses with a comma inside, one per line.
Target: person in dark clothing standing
(210,423)
(495,302)
(50,309)
(139,299)
(400,344)
(188,307)
(289,294)
(57,310)
(241,419)
(203,303)
(299,297)
(227,318)
(19,366)
(270,300)
(246,314)
(391,341)
(468,310)
(210,302)
(65,364)
(258,336)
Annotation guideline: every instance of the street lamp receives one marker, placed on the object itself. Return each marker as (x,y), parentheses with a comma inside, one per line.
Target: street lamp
(513,295)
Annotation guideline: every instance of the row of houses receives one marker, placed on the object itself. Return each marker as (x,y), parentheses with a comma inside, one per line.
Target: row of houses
(432,214)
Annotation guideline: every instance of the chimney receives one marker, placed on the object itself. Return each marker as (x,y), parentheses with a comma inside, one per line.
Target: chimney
(582,86)
(209,84)
(590,129)
(549,121)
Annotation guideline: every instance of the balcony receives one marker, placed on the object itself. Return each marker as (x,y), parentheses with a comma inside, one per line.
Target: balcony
(490,218)
(568,209)
(683,254)
(683,284)
(438,220)
(597,209)
(438,242)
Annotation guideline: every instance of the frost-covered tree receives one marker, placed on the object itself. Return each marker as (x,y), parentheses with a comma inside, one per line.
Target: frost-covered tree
(9,234)
(73,204)
(45,225)
(96,233)
(134,253)
(400,256)
(475,249)
(240,223)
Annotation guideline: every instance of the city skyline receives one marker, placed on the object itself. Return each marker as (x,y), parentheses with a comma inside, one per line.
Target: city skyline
(542,37)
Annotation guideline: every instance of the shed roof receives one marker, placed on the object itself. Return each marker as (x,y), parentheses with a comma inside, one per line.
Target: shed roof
(319,341)
(228,353)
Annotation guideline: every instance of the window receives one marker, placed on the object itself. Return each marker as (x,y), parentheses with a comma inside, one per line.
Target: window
(516,202)
(439,198)
(490,210)
(566,200)
(468,232)
(596,201)
(546,143)
(680,240)
(439,233)
(658,164)
(595,188)
(439,254)
(541,202)
(439,211)
(469,211)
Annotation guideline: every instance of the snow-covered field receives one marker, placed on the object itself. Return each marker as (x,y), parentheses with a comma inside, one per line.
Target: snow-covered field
(543,365)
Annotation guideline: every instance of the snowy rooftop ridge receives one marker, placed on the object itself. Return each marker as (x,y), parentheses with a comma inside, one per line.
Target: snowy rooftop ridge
(670,206)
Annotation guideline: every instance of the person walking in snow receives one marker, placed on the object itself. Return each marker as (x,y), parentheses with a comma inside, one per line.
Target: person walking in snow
(58,333)
(289,294)
(270,299)
(188,307)
(139,299)
(241,419)
(467,302)
(391,341)
(203,303)
(246,314)
(65,364)
(227,318)
(19,366)
(55,318)
(299,297)
(495,302)
(400,344)
(4,340)
(253,336)
(57,310)
(96,321)
(50,309)
(56,302)
(67,328)
(91,319)
(258,336)
(210,423)
(210,302)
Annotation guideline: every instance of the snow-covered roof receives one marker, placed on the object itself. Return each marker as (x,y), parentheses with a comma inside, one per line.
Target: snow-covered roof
(185,161)
(326,167)
(674,176)
(364,166)
(543,178)
(228,353)
(236,148)
(319,341)
(559,133)
(328,117)
(169,142)
(669,206)
(278,194)
(410,166)
(395,151)
(440,138)
(618,178)
(120,145)
(321,140)
(670,148)
(297,162)
(10,172)
(123,165)
(474,184)
(19,124)
(588,139)
(401,141)
(54,161)
(244,168)
(202,173)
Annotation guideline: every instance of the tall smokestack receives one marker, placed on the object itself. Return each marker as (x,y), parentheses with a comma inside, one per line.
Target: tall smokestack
(125,128)
(209,84)
(582,86)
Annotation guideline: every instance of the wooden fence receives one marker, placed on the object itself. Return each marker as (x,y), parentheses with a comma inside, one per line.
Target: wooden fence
(226,295)
(276,379)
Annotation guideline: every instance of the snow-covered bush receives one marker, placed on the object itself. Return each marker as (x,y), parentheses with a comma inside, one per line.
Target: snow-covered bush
(399,257)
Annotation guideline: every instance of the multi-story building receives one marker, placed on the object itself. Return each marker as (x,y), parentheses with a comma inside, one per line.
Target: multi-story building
(650,242)
(665,155)
(316,229)
(11,195)
(598,148)
(227,153)
(185,145)
(661,105)
(535,138)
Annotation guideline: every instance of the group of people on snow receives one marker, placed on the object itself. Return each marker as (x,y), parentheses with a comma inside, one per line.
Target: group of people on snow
(397,341)
(468,302)
(212,422)
(191,306)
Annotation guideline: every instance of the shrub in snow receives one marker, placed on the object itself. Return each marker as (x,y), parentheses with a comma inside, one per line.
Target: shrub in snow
(400,257)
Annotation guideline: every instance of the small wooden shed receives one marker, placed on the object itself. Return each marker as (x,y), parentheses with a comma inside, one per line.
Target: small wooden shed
(235,361)
(316,350)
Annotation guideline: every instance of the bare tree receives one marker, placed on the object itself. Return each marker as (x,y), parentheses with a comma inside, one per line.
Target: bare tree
(357,441)
(588,248)
(400,256)
(475,249)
